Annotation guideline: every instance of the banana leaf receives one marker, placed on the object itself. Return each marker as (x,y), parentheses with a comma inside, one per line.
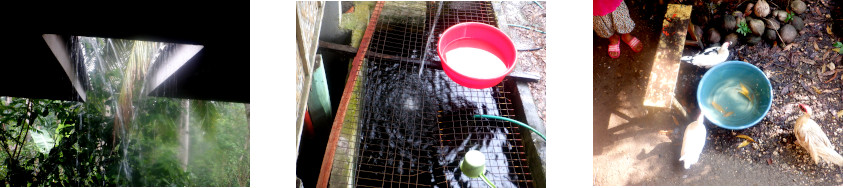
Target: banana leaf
(43,140)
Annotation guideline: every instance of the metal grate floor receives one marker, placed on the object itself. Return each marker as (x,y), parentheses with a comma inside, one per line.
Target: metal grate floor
(411,130)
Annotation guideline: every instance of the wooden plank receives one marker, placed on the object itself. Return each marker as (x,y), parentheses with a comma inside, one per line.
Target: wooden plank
(526,76)
(696,36)
(665,69)
(328,160)
(350,49)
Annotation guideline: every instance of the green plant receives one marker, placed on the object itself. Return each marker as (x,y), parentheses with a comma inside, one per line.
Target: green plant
(743,29)
(838,47)
(61,151)
(789,17)
(68,143)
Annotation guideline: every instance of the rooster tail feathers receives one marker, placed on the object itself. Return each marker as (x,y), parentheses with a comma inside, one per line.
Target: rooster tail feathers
(687,58)
(831,156)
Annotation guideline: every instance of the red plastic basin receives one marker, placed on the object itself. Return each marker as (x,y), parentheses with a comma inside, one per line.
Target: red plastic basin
(478,36)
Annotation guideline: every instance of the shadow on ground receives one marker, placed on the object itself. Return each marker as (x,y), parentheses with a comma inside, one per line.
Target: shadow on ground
(634,145)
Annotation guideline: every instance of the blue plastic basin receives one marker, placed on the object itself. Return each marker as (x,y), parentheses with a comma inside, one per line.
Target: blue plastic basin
(721,85)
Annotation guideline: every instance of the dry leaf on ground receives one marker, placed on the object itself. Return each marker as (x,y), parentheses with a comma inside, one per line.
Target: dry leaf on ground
(744,143)
(746,137)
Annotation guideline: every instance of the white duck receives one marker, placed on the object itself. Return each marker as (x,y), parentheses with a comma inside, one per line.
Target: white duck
(709,57)
(693,142)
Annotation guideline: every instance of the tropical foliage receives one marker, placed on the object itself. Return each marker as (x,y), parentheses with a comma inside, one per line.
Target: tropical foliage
(119,136)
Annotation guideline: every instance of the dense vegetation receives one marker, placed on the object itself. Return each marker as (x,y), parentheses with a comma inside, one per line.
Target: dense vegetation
(119,136)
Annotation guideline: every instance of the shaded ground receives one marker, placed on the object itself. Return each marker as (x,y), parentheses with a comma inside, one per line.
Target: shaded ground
(634,145)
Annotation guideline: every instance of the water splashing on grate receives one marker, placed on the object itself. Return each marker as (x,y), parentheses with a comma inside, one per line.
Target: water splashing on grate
(412,130)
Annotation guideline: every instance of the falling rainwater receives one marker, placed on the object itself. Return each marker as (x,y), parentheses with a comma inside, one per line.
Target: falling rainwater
(100,74)
(121,136)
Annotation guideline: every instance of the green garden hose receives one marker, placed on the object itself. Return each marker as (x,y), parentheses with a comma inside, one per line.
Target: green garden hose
(513,121)
(525,27)
(537,3)
(487,181)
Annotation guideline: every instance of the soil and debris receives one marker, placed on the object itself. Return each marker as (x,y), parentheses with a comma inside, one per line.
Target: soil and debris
(530,43)
(634,145)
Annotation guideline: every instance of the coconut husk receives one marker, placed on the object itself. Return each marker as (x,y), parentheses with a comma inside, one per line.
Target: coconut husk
(770,34)
(713,36)
(771,23)
(762,9)
(752,40)
(729,23)
(780,14)
(756,26)
(788,33)
(737,14)
(798,6)
(731,38)
(797,23)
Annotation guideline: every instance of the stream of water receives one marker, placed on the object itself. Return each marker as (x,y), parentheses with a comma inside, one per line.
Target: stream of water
(118,72)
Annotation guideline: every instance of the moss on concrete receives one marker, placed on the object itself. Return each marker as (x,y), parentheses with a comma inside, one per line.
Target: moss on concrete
(412,12)
(356,21)
(346,150)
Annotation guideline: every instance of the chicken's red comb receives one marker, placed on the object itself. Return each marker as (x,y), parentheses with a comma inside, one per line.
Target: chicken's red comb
(805,108)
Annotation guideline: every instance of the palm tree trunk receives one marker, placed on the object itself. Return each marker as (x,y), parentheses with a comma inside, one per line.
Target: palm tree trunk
(244,177)
(185,140)
(248,128)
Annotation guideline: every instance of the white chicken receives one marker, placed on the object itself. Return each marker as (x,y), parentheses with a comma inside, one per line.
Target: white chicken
(709,57)
(810,136)
(693,142)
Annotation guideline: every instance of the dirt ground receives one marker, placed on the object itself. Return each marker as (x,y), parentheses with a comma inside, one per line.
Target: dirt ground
(529,14)
(634,145)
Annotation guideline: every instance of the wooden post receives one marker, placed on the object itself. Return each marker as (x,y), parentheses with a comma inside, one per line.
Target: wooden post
(665,69)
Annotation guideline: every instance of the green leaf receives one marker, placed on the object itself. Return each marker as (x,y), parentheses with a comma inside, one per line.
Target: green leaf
(838,44)
(207,113)
(43,140)
(743,29)
(789,17)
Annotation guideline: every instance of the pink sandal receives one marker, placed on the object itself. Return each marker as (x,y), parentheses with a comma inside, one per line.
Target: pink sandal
(633,43)
(615,48)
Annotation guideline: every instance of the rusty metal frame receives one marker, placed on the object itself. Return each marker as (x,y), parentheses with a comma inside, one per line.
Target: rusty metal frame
(328,160)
